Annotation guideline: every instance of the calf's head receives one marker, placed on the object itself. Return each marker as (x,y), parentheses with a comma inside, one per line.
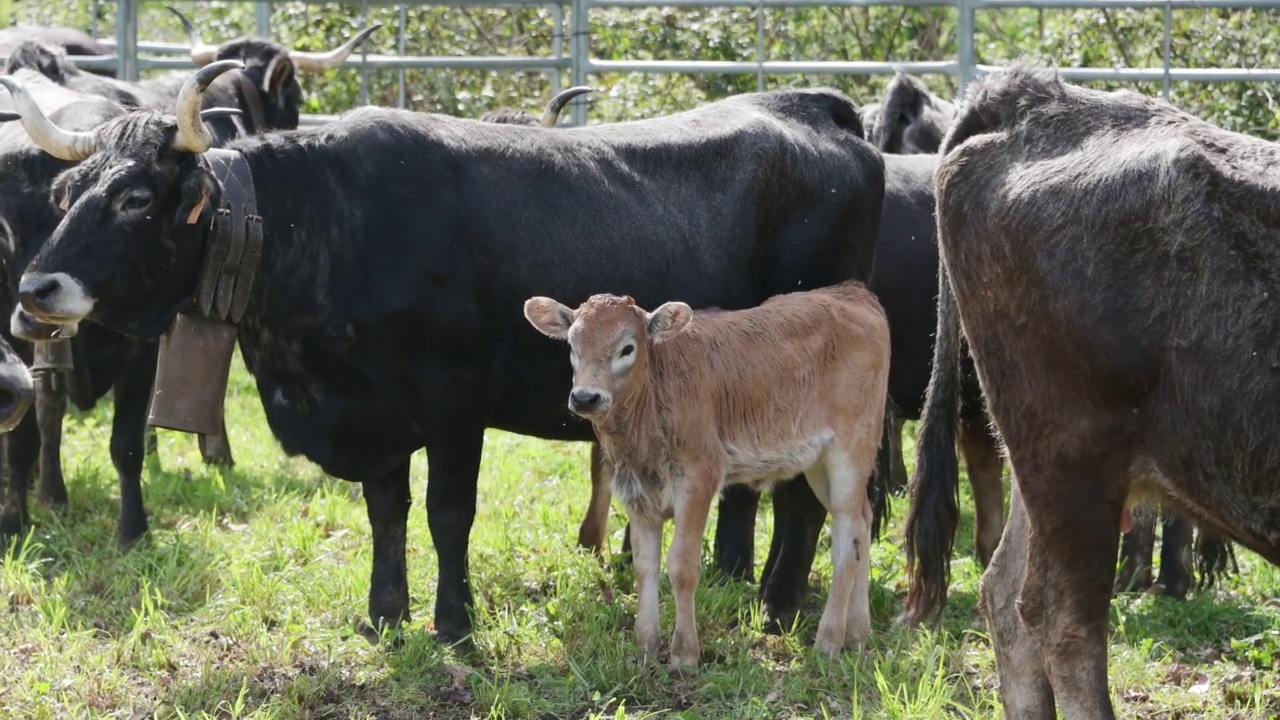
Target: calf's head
(610,338)
(135,210)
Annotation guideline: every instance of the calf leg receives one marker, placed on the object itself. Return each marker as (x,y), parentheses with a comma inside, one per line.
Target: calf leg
(982,459)
(846,617)
(591,534)
(21,448)
(646,554)
(128,428)
(786,575)
(386,500)
(1175,570)
(735,532)
(684,561)
(216,449)
(1024,685)
(453,467)
(51,406)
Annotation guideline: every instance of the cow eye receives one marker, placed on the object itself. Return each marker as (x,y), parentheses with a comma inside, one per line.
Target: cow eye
(134,200)
(627,350)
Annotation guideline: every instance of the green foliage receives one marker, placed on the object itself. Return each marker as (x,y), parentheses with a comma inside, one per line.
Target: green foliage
(1069,38)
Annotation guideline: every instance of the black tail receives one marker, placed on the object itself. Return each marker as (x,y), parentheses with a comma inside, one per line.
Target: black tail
(935,487)
(882,476)
(1213,556)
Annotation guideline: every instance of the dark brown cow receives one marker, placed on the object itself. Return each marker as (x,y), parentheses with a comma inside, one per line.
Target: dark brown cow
(1113,262)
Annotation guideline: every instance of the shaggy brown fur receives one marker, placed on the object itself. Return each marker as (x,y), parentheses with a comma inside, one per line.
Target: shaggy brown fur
(685,404)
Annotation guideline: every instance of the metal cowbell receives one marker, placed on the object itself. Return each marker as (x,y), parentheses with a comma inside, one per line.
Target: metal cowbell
(191,374)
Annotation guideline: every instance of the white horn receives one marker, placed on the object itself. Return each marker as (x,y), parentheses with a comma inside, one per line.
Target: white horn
(62,144)
(319,62)
(192,135)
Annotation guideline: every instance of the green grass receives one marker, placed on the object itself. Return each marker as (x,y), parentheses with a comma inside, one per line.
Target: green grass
(243,599)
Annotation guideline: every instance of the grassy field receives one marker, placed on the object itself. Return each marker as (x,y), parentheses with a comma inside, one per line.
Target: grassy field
(242,603)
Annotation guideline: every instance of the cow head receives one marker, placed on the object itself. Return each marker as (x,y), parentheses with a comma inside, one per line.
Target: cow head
(912,120)
(128,247)
(609,343)
(16,389)
(268,79)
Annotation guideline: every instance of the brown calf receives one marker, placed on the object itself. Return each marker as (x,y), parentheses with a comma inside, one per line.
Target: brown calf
(684,404)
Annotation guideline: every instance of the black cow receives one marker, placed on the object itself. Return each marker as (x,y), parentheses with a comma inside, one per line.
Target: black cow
(1112,262)
(909,119)
(103,360)
(386,315)
(73,42)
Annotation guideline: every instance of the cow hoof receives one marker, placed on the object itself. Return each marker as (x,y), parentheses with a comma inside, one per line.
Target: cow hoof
(390,637)
(127,537)
(55,503)
(682,669)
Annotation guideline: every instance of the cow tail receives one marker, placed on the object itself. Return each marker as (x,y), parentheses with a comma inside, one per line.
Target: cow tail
(1214,557)
(934,489)
(882,475)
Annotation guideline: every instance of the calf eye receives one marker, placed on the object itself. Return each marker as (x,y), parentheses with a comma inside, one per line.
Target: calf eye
(627,350)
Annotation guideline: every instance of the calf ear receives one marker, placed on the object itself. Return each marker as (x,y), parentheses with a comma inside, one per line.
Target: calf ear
(668,321)
(549,317)
(200,194)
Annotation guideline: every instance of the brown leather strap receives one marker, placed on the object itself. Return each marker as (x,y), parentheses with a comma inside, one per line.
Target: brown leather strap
(254,101)
(234,246)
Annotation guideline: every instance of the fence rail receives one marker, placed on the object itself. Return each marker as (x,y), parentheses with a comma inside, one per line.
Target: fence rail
(576,59)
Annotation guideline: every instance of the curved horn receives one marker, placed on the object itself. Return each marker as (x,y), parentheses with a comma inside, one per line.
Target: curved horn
(201,54)
(551,115)
(319,62)
(192,135)
(62,144)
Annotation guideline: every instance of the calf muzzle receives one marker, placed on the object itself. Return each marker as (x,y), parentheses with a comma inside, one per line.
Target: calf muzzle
(588,401)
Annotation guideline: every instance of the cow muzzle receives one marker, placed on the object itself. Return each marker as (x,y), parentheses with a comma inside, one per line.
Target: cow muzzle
(588,402)
(16,394)
(54,298)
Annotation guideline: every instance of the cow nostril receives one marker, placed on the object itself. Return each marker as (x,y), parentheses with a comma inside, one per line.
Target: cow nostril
(585,399)
(39,290)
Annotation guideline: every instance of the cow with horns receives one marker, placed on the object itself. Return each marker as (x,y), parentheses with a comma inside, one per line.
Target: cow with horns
(385,316)
(69,40)
(102,360)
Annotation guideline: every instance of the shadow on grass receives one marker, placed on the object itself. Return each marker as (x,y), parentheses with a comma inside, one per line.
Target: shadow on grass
(177,571)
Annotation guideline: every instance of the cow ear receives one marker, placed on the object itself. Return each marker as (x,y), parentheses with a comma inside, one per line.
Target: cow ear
(279,76)
(549,317)
(668,321)
(200,195)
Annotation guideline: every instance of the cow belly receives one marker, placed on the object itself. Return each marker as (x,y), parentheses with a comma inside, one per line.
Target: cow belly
(761,466)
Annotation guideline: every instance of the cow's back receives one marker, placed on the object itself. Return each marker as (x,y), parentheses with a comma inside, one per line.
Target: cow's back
(1133,259)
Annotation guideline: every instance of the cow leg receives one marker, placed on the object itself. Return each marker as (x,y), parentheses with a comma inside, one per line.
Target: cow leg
(735,532)
(646,561)
(1175,571)
(216,449)
(386,500)
(51,406)
(684,563)
(128,429)
(21,448)
(787,574)
(1074,499)
(453,467)
(1024,686)
(152,443)
(982,458)
(1136,548)
(591,534)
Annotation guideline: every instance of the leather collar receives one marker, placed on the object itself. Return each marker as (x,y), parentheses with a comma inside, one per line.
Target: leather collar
(233,248)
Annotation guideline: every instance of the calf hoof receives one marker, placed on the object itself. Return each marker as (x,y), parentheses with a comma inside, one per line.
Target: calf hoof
(828,646)
(682,669)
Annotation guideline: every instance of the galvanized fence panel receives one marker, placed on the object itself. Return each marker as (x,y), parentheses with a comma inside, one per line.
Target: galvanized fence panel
(134,55)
